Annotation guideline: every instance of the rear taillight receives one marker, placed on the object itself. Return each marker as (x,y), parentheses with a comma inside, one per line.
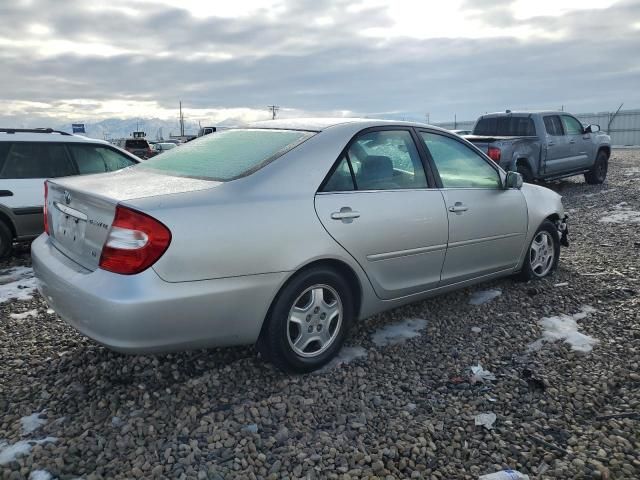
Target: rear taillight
(44,209)
(494,154)
(135,242)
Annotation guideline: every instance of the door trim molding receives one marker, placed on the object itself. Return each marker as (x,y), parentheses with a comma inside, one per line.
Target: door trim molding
(405,253)
(473,241)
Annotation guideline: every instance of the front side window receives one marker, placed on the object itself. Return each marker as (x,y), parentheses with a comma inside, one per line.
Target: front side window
(458,165)
(36,160)
(571,125)
(553,126)
(228,154)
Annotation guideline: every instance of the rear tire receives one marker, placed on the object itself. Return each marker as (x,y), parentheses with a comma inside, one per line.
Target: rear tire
(308,321)
(525,171)
(543,253)
(598,173)
(6,240)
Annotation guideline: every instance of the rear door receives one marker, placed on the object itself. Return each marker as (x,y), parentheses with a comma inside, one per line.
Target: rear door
(558,152)
(579,143)
(378,204)
(24,166)
(487,224)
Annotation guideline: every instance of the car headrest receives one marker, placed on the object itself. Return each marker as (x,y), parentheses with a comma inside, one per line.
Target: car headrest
(377,167)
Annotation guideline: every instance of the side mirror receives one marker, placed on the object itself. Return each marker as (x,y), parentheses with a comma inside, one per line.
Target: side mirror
(592,129)
(513,180)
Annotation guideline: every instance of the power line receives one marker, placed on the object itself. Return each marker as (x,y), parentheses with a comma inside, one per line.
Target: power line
(273,109)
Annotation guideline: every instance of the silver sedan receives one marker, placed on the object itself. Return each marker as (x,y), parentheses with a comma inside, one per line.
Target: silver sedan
(285,234)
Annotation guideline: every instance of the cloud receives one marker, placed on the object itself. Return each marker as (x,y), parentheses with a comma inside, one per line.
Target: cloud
(93,60)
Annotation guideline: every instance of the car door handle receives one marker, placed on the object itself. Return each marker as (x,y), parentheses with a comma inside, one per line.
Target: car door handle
(459,207)
(572,141)
(345,214)
(6,193)
(550,144)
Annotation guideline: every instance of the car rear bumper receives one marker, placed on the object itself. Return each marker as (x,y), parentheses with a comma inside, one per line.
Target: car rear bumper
(143,313)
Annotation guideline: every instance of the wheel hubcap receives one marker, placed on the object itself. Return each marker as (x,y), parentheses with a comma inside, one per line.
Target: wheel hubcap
(542,254)
(314,321)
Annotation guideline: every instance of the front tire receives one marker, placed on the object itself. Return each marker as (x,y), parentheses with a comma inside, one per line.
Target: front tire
(6,240)
(525,171)
(598,173)
(308,321)
(543,253)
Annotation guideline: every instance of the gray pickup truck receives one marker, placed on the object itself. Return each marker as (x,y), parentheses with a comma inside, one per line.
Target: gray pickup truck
(543,145)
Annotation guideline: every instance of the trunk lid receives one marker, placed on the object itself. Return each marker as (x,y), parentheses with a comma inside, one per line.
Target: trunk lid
(80,209)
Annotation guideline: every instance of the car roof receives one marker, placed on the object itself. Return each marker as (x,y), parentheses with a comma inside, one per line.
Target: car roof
(522,113)
(319,124)
(44,136)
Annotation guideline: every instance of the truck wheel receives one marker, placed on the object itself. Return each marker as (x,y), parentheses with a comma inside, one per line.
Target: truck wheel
(598,173)
(6,240)
(525,171)
(543,253)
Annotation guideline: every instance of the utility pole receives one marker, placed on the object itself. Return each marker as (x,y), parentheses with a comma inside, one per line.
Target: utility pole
(455,121)
(181,121)
(274,109)
(426,117)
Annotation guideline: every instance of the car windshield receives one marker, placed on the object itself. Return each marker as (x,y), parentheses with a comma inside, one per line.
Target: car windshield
(508,126)
(227,155)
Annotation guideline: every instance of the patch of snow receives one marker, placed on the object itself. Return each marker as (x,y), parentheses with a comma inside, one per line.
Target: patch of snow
(484,296)
(399,332)
(344,356)
(18,283)
(9,452)
(565,327)
(476,329)
(486,420)
(589,195)
(23,315)
(561,284)
(32,422)
(621,213)
(479,374)
(40,475)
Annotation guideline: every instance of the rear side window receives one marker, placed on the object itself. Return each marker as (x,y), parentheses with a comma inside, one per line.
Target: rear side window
(227,155)
(97,159)
(553,126)
(36,160)
(508,126)
(379,160)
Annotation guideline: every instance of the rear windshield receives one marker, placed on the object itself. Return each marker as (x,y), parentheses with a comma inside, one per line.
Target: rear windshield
(508,126)
(136,144)
(228,154)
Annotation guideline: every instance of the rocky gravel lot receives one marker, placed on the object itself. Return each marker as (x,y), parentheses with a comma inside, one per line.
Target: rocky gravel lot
(402,410)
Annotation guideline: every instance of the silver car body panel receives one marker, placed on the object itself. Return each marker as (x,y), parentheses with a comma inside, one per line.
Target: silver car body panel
(235,244)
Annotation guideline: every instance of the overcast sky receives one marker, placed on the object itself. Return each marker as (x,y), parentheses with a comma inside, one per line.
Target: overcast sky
(90,60)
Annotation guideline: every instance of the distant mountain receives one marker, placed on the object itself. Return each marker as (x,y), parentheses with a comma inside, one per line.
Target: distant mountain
(121,128)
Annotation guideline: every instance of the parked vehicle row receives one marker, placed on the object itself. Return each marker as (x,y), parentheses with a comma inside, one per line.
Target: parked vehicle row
(543,145)
(285,234)
(27,158)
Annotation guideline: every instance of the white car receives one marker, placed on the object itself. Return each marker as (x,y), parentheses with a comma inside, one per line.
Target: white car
(27,158)
(163,146)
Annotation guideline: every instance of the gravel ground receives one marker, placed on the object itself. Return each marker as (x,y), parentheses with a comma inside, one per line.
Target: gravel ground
(403,410)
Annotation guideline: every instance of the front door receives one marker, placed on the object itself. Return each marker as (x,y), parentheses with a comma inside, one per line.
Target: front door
(378,205)
(487,224)
(579,143)
(557,158)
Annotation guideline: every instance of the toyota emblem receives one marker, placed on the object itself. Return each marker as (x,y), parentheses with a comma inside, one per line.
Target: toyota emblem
(67,197)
